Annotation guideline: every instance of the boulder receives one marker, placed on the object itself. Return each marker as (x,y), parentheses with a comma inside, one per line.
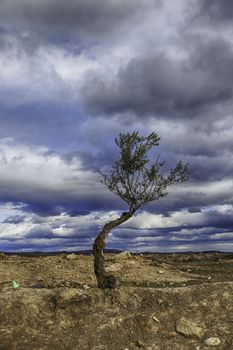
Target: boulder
(70,296)
(189,328)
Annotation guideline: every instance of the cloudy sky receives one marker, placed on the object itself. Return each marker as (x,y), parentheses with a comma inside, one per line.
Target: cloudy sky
(76,73)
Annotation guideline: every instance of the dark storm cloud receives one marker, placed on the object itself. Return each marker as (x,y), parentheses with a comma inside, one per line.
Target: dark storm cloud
(194,210)
(26,43)
(26,123)
(85,19)
(40,232)
(161,86)
(50,203)
(15,219)
(217,10)
(211,168)
(43,244)
(134,66)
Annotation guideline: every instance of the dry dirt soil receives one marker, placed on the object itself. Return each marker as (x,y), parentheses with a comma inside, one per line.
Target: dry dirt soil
(58,306)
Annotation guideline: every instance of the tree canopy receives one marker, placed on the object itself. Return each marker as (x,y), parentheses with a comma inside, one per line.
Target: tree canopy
(135,177)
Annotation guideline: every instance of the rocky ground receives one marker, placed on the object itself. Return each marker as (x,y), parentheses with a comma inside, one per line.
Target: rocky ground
(163,301)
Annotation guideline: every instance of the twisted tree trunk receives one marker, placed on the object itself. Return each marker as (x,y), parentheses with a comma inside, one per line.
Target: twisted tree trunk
(105,280)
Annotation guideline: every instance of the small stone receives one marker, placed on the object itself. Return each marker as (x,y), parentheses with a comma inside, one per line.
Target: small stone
(172,334)
(139,343)
(155,319)
(40,279)
(49,322)
(131,262)
(71,256)
(189,328)
(65,323)
(161,272)
(114,267)
(212,341)
(160,302)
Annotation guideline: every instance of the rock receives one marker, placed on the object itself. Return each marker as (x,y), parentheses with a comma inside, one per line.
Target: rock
(161,272)
(155,319)
(139,343)
(212,341)
(172,334)
(40,279)
(189,328)
(65,323)
(71,295)
(123,256)
(49,322)
(68,294)
(114,267)
(85,286)
(131,262)
(71,256)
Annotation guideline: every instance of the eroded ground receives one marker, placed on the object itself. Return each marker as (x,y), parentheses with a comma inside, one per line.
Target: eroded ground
(57,304)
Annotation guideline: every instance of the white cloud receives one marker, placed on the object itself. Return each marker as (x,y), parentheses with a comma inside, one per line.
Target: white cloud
(10,209)
(36,172)
(176,219)
(214,190)
(38,70)
(64,231)
(223,235)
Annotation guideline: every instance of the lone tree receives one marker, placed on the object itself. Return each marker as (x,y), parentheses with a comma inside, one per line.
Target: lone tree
(137,180)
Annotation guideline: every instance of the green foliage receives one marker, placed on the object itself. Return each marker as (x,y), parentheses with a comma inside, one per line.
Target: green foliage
(135,177)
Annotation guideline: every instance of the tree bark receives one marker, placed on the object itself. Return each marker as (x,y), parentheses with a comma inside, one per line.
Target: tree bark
(105,280)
